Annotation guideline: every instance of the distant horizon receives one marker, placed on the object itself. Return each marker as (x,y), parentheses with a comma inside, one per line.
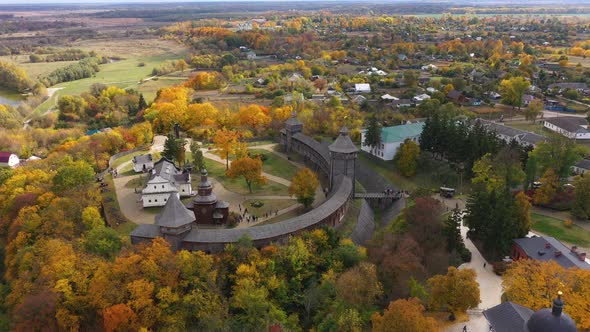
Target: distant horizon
(122,2)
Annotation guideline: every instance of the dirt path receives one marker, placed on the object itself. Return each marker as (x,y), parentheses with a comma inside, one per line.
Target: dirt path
(132,209)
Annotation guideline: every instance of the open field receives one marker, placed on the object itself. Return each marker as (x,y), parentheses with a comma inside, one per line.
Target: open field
(238,185)
(276,165)
(124,73)
(34,70)
(554,227)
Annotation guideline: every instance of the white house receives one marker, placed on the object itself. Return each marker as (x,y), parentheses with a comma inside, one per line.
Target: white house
(362,88)
(165,179)
(569,126)
(421,97)
(142,163)
(391,139)
(9,159)
(388,97)
(581,167)
(509,134)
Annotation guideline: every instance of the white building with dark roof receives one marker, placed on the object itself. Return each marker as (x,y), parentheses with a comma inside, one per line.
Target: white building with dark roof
(143,163)
(581,166)
(569,126)
(163,180)
(9,159)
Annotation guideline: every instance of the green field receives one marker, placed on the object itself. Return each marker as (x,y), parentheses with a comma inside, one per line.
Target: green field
(554,227)
(238,185)
(276,165)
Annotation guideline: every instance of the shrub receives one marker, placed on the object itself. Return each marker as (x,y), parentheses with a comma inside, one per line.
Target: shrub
(568,223)
(257,204)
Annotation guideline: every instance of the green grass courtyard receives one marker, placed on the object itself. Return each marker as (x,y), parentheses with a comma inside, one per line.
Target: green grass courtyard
(554,227)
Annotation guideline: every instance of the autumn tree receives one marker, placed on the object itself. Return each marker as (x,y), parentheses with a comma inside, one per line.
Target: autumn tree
(181,65)
(72,175)
(504,170)
(549,185)
(359,286)
(458,290)
(248,168)
(404,316)
(406,157)
(255,117)
(581,207)
(225,141)
(534,109)
(513,89)
(534,284)
(559,153)
(522,214)
(303,186)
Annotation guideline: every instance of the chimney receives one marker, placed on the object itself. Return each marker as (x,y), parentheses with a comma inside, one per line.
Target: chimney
(557,305)
(557,253)
(582,256)
(574,248)
(547,245)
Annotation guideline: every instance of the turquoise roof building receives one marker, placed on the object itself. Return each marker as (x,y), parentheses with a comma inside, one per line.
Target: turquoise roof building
(392,138)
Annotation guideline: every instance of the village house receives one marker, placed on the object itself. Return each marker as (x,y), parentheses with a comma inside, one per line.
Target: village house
(388,97)
(163,180)
(569,126)
(142,163)
(581,167)
(403,103)
(391,139)
(9,159)
(546,248)
(508,134)
(456,97)
(362,88)
(562,87)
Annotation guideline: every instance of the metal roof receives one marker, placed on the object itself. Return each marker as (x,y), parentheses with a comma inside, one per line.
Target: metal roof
(535,248)
(584,163)
(146,231)
(142,158)
(396,134)
(570,123)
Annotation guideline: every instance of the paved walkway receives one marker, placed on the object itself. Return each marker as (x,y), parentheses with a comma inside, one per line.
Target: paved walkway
(490,284)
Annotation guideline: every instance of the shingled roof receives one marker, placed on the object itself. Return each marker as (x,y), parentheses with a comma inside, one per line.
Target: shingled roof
(343,144)
(276,230)
(508,317)
(175,214)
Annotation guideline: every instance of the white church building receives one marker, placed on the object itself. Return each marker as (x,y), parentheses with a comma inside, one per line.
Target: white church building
(165,179)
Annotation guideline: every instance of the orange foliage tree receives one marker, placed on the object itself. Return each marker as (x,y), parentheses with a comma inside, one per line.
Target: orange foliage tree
(248,168)
(225,141)
(404,316)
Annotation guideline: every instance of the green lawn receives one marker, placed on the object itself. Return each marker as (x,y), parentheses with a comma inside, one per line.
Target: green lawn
(238,185)
(555,228)
(270,205)
(34,70)
(124,73)
(135,182)
(276,165)
(430,174)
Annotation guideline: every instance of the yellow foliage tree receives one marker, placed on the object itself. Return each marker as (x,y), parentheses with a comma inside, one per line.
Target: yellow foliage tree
(404,316)
(534,284)
(457,290)
(303,186)
(225,141)
(549,183)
